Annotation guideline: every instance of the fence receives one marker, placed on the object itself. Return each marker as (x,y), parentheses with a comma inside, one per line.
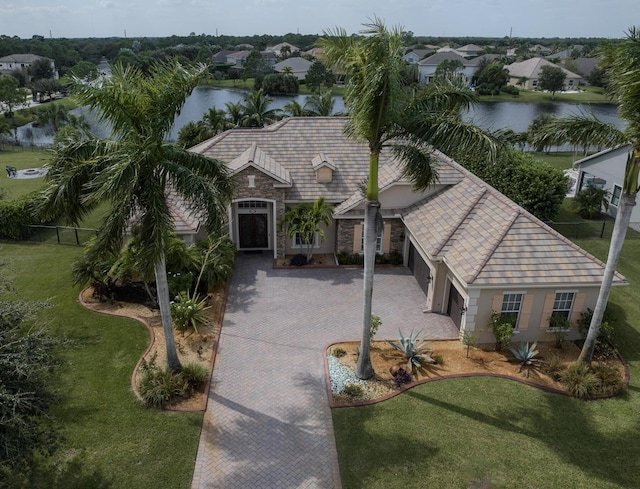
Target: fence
(59,234)
(592,229)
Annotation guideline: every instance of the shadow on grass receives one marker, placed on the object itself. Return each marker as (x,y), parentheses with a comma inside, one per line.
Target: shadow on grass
(567,427)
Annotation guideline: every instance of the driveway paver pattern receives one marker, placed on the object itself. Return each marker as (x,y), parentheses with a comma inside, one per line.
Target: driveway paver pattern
(267,423)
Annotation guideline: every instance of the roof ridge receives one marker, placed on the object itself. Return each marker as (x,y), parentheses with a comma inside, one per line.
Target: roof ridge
(493,249)
(455,229)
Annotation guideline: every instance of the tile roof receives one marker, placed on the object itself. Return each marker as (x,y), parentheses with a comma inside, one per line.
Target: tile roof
(485,238)
(531,68)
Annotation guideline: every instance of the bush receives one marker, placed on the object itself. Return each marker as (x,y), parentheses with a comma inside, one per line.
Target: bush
(15,215)
(187,311)
(352,390)
(554,367)
(299,260)
(345,258)
(402,377)
(605,342)
(395,258)
(339,352)
(510,90)
(373,328)
(158,387)
(590,201)
(580,380)
(611,382)
(502,329)
(179,282)
(195,374)
(415,351)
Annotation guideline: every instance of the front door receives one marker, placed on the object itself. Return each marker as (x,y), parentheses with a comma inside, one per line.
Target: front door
(254,231)
(456,303)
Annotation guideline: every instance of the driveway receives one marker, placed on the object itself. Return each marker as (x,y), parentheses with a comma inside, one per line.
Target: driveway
(268,424)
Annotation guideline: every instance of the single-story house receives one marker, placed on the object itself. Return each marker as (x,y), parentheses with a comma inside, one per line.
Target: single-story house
(428,66)
(526,74)
(471,250)
(299,66)
(606,170)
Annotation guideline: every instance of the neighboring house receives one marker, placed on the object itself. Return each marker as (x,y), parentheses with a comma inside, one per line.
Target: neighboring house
(428,66)
(299,66)
(316,53)
(470,248)
(220,58)
(413,57)
(470,50)
(22,62)
(526,74)
(539,48)
(606,170)
(278,48)
(447,49)
(237,58)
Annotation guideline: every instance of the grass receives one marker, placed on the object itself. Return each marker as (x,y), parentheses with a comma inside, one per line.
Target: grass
(496,433)
(563,160)
(127,444)
(588,95)
(21,158)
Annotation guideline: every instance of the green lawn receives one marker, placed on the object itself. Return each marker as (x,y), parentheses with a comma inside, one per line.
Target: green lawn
(21,158)
(129,445)
(448,434)
(588,95)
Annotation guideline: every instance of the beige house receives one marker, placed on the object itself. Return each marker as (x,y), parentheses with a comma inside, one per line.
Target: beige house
(22,62)
(526,74)
(472,250)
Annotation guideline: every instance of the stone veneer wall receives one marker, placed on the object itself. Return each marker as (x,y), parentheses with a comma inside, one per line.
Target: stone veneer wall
(263,189)
(344,234)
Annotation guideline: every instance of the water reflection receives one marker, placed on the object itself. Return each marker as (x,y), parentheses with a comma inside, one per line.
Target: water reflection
(489,115)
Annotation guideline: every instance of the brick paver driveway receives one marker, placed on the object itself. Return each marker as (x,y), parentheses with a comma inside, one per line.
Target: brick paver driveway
(268,424)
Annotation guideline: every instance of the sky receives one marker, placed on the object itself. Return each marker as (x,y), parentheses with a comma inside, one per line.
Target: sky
(163,18)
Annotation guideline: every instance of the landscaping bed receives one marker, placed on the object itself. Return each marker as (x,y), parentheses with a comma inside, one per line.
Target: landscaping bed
(452,362)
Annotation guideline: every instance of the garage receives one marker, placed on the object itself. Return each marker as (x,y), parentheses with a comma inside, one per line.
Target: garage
(456,306)
(420,269)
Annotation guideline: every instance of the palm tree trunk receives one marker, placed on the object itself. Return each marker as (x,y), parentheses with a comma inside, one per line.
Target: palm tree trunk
(364,369)
(165,313)
(627,202)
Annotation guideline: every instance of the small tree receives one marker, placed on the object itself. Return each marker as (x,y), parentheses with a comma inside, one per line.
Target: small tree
(318,75)
(304,221)
(552,79)
(502,329)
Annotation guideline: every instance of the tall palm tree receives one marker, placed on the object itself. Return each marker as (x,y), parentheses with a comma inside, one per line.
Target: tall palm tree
(134,170)
(321,104)
(256,110)
(384,113)
(622,67)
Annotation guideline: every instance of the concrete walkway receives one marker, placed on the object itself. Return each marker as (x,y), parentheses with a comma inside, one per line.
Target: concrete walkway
(268,424)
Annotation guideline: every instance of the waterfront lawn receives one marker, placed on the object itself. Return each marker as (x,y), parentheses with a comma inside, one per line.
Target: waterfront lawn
(126,444)
(483,432)
(587,95)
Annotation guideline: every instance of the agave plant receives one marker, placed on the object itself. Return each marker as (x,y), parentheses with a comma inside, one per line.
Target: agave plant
(525,355)
(414,350)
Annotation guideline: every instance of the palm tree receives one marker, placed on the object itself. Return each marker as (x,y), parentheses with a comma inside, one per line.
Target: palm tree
(294,109)
(235,110)
(384,113)
(54,114)
(256,110)
(134,170)
(622,67)
(321,104)
(305,220)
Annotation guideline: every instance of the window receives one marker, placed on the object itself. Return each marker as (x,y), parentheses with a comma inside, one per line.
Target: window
(615,195)
(511,305)
(298,241)
(378,241)
(562,306)
(534,83)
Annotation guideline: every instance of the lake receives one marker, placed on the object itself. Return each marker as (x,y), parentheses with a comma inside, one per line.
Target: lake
(489,115)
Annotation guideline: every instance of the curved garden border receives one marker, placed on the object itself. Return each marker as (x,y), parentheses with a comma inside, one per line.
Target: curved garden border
(413,384)
(152,339)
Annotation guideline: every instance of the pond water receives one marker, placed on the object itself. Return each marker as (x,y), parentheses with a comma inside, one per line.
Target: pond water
(489,115)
